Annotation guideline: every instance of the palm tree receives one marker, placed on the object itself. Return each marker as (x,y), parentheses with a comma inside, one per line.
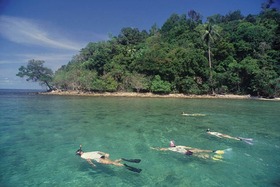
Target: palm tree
(209,36)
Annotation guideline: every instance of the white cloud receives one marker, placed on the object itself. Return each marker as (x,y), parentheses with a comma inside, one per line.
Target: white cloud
(52,60)
(26,31)
(42,41)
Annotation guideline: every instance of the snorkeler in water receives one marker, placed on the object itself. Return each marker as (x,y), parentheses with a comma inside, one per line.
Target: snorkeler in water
(103,158)
(190,151)
(195,114)
(220,135)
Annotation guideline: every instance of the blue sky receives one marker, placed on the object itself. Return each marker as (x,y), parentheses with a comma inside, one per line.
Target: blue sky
(55,30)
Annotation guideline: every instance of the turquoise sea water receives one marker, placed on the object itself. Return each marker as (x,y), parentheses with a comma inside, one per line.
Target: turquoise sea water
(40,134)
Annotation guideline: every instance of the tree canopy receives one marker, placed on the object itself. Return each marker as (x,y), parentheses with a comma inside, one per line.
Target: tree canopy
(234,54)
(35,71)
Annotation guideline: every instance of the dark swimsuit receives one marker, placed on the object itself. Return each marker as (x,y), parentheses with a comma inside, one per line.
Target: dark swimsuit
(189,153)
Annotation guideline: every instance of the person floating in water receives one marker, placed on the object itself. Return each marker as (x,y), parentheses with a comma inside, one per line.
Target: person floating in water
(220,135)
(186,114)
(190,151)
(103,158)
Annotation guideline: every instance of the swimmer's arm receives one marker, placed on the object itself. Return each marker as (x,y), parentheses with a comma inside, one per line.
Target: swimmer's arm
(159,149)
(90,162)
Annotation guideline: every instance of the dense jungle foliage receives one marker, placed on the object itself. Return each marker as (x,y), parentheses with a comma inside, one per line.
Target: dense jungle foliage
(227,54)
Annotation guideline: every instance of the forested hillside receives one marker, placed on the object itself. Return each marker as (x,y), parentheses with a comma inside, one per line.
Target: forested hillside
(227,54)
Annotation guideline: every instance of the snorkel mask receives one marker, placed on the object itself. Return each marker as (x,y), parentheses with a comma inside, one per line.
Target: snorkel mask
(172,143)
(79,151)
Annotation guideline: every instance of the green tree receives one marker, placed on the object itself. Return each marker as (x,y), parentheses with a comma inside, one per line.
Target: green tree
(139,82)
(232,16)
(190,86)
(131,36)
(35,71)
(195,16)
(171,23)
(249,68)
(245,60)
(110,84)
(60,79)
(86,79)
(160,86)
(210,33)
(277,87)
(264,83)
(99,57)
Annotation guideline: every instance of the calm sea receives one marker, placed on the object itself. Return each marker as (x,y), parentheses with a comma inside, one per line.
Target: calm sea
(39,135)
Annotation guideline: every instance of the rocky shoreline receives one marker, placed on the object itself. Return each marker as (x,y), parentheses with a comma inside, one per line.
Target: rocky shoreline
(150,95)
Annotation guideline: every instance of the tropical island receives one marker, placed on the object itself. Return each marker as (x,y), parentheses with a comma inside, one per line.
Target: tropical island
(229,54)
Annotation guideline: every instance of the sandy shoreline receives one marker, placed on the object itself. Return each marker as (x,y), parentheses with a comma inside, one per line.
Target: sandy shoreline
(151,95)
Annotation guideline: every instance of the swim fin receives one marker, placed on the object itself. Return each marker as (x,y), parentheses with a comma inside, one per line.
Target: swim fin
(132,160)
(219,152)
(218,156)
(223,152)
(247,140)
(137,170)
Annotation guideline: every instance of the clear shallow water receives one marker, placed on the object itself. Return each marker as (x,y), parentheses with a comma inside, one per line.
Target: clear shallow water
(40,134)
